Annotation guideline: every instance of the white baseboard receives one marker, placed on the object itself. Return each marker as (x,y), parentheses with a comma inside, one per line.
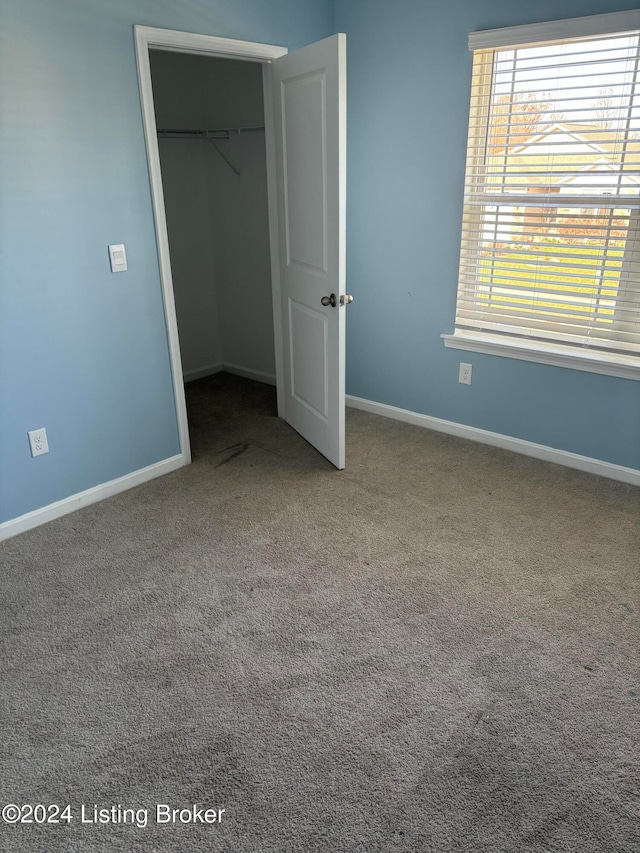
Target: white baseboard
(517,445)
(90,496)
(238,370)
(201,372)
(249,373)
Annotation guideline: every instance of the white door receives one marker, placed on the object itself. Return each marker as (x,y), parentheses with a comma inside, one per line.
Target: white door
(309,99)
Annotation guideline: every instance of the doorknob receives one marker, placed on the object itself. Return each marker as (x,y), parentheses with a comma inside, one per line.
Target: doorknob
(345,299)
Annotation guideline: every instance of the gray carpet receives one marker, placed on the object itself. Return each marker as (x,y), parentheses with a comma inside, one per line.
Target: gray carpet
(434,650)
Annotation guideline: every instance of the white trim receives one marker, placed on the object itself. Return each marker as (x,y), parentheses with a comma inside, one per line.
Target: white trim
(609,364)
(506,442)
(201,372)
(591,25)
(142,38)
(274,233)
(146,37)
(183,42)
(90,496)
(249,373)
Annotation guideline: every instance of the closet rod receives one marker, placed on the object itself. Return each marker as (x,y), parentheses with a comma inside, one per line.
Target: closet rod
(217,133)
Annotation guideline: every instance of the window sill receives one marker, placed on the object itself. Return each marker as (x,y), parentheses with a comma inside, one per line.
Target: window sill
(624,366)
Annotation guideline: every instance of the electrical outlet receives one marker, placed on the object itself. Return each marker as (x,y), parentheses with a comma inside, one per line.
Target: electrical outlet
(465,373)
(38,441)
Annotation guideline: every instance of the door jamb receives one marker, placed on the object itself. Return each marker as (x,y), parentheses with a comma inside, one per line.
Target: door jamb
(181,42)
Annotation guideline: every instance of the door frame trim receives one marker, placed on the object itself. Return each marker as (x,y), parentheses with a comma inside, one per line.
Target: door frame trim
(182,42)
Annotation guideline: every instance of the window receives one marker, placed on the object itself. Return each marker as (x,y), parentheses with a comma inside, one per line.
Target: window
(550,252)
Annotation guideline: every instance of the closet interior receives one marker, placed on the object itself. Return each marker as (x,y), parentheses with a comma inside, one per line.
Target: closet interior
(210,120)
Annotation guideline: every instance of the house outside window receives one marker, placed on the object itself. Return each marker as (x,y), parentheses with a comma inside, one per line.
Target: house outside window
(550,250)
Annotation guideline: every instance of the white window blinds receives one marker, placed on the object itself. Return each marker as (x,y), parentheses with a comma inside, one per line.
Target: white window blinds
(551,228)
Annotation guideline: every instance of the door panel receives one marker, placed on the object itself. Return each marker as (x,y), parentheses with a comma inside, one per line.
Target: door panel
(304,110)
(308,334)
(309,94)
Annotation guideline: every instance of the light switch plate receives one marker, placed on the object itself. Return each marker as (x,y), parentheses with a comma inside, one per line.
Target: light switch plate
(117,257)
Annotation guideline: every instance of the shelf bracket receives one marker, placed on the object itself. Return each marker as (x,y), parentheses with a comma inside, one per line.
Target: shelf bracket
(223,155)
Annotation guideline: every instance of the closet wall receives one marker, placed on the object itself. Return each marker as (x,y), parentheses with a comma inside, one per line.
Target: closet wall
(217,220)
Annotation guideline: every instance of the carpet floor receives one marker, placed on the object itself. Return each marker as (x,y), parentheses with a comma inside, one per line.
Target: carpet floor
(433,650)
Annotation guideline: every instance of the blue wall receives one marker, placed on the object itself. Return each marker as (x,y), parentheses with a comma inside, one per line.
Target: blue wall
(84,352)
(409,74)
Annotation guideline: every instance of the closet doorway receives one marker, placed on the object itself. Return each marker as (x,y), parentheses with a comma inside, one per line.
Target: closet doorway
(251,143)
(210,124)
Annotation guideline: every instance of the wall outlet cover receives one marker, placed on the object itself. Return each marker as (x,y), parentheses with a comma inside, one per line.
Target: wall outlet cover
(38,441)
(464,376)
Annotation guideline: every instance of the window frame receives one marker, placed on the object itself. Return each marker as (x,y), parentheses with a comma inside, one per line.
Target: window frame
(503,343)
